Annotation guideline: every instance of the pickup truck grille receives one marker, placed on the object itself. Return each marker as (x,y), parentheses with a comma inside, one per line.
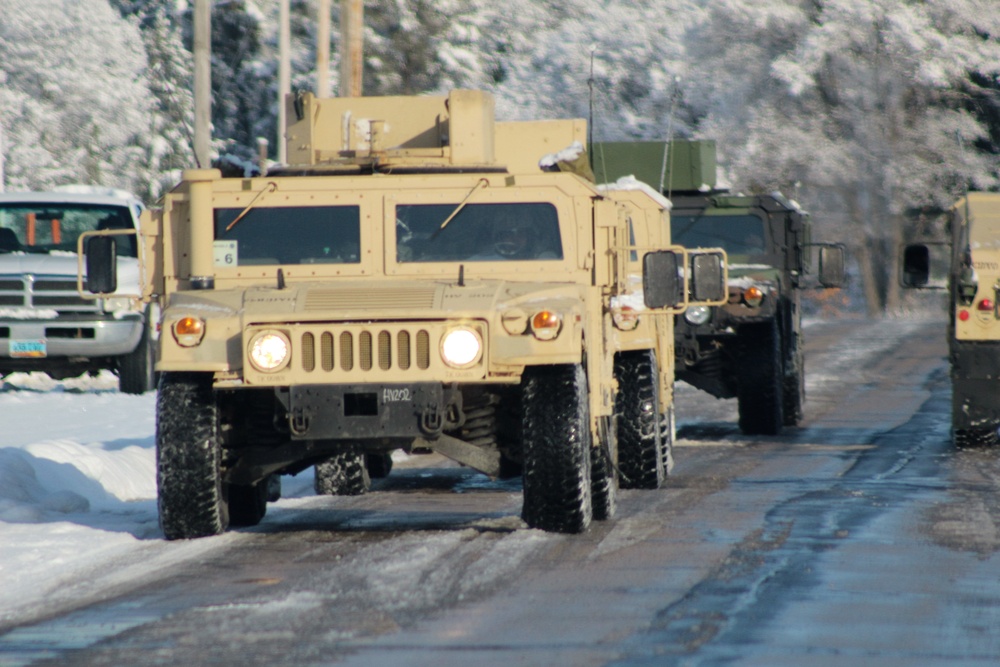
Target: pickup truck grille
(55,293)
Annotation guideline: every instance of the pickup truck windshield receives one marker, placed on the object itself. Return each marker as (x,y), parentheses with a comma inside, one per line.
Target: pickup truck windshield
(48,227)
(477,233)
(737,234)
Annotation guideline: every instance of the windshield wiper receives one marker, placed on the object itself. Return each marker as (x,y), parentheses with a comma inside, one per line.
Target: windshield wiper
(270,187)
(481,183)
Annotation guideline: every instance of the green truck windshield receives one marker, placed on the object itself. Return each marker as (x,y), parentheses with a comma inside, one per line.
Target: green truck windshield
(736,234)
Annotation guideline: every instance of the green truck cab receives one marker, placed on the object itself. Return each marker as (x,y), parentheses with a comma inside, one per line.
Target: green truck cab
(750,347)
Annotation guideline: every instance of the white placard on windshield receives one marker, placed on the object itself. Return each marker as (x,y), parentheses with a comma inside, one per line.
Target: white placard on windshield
(226,252)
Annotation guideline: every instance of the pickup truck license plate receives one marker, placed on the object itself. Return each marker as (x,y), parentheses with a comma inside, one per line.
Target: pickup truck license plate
(27,348)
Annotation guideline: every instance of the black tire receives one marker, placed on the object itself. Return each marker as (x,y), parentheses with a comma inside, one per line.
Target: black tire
(761,380)
(557,443)
(668,434)
(604,473)
(640,446)
(135,369)
(980,436)
(342,474)
(247,503)
(795,390)
(379,465)
(188,453)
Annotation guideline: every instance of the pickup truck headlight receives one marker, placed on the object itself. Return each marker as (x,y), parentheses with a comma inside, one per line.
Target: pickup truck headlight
(269,350)
(461,347)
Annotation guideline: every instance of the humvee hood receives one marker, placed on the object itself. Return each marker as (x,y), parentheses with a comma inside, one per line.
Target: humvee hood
(362,299)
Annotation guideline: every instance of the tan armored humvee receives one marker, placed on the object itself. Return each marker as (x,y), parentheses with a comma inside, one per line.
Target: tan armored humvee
(973,284)
(413,279)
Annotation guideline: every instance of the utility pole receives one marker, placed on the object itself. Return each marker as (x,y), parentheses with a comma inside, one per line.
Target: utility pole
(351,38)
(284,76)
(203,84)
(323,49)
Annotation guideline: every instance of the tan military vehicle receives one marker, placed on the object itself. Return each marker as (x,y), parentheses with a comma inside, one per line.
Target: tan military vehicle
(413,279)
(973,283)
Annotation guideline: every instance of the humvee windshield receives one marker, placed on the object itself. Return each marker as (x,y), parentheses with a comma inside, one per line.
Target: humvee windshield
(45,227)
(292,235)
(736,234)
(477,233)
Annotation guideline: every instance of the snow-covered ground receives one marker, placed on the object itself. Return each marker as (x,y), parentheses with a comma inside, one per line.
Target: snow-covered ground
(77,481)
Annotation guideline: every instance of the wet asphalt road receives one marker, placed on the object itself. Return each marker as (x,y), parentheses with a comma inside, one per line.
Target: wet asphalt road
(859,538)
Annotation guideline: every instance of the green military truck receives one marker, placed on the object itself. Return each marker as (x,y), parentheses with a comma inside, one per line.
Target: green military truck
(751,347)
(413,279)
(972,268)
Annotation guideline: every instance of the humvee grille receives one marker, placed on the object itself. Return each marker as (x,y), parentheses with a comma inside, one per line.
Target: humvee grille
(387,349)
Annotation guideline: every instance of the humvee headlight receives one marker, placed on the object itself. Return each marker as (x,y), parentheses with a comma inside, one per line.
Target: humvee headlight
(188,331)
(545,324)
(269,351)
(697,315)
(753,296)
(461,348)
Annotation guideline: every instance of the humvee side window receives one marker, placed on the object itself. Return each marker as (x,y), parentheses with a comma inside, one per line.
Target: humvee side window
(477,233)
(292,235)
(736,234)
(51,226)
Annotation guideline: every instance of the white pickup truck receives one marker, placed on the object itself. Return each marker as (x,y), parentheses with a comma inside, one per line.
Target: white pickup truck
(45,324)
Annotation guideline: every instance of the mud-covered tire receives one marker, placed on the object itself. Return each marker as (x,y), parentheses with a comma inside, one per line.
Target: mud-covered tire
(604,473)
(557,439)
(761,380)
(188,454)
(135,369)
(795,389)
(668,434)
(640,446)
(984,436)
(342,474)
(247,503)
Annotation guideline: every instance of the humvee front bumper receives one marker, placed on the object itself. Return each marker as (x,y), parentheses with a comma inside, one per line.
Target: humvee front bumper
(370,411)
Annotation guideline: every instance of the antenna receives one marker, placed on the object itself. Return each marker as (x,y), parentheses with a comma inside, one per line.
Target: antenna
(667,153)
(590,119)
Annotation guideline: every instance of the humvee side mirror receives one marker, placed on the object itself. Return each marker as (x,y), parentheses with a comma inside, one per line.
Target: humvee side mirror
(661,283)
(831,265)
(916,265)
(708,281)
(102,264)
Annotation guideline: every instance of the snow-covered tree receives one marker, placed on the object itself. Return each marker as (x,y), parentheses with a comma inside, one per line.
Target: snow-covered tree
(855,105)
(74,103)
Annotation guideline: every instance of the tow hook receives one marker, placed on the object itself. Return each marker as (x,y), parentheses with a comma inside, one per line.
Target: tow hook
(298,421)
(431,421)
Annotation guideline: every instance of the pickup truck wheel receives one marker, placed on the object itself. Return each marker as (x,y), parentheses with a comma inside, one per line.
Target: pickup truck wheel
(557,444)
(342,475)
(135,369)
(604,472)
(761,380)
(640,445)
(188,453)
(247,503)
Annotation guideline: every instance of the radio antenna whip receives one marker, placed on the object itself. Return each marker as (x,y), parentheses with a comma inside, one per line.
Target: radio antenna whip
(667,153)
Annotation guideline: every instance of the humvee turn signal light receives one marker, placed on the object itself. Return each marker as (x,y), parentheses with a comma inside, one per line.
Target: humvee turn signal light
(188,331)
(753,296)
(545,324)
